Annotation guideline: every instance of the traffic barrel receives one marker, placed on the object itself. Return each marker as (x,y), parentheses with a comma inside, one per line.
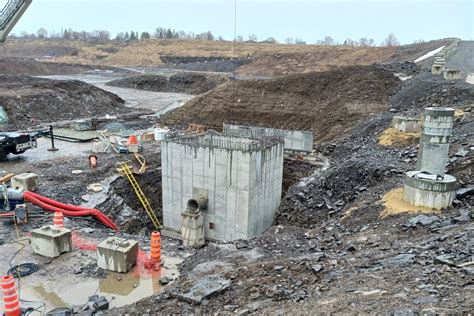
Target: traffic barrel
(132,140)
(155,246)
(11,301)
(93,161)
(58,220)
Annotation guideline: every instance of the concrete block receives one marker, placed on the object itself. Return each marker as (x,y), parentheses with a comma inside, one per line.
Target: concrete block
(133,148)
(50,241)
(25,181)
(117,254)
(406,124)
(452,74)
(100,147)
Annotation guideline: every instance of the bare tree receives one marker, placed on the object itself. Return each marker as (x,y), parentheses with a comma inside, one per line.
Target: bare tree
(289,40)
(239,38)
(391,40)
(252,38)
(42,33)
(328,40)
(419,41)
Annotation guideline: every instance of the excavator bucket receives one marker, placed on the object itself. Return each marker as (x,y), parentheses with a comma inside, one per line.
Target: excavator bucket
(10,15)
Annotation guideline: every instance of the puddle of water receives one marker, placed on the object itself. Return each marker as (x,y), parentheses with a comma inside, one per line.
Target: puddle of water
(60,287)
(120,289)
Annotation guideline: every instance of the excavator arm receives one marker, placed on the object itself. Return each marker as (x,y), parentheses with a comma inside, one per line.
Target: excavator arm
(10,15)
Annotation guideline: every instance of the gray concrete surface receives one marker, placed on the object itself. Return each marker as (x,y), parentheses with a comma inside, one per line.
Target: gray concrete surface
(241,177)
(51,241)
(295,140)
(436,194)
(434,143)
(462,58)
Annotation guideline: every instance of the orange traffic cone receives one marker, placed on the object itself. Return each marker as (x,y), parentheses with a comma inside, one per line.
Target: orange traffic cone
(93,161)
(10,297)
(58,220)
(155,246)
(132,140)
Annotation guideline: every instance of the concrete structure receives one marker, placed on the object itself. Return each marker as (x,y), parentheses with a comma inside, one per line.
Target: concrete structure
(452,74)
(437,69)
(241,177)
(406,124)
(117,254)
(25,181)
(429,186)
(434,144)
(295,140)
(50,241)
(437,194)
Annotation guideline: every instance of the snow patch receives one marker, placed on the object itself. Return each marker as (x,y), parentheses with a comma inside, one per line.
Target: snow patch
(429,54)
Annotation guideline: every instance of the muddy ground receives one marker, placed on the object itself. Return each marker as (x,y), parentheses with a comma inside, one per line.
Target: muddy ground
(183,82)
(333,246)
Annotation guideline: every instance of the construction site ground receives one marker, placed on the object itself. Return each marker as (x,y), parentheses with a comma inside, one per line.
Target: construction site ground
(341,241)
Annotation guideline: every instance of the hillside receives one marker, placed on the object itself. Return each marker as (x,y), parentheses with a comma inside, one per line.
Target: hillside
(269,59)
(330,103)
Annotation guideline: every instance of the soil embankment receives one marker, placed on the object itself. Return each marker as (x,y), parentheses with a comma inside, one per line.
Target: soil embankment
(330,103)
(185,82)
(30,100)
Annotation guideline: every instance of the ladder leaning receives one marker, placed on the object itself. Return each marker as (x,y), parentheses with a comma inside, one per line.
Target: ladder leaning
(141,196)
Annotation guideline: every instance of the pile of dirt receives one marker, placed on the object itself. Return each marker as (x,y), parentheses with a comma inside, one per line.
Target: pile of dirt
(427,90)
(185,82)
(329,103)
(33,67)
(30,100)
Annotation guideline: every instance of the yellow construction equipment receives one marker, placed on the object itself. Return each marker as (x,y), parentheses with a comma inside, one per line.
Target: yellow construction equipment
(141,196)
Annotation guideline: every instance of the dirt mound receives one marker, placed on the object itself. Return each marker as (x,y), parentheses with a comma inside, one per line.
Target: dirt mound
(28,99)
(330,103)
(427,90)
(189,83)
(32,67)
(322,59)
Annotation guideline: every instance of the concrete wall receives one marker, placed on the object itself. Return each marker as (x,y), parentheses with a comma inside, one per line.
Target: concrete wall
(406,124)
(295,140)
(452,74)
(243,186)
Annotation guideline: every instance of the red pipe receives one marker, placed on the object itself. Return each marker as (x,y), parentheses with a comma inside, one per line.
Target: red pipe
(67,209)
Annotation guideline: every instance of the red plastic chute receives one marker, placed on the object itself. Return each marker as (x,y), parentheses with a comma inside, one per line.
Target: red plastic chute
(67,209)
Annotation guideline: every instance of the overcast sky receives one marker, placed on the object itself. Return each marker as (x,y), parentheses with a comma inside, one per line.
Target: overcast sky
(310,20)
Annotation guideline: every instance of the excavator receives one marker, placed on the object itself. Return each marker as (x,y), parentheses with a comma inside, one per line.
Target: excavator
(10,15)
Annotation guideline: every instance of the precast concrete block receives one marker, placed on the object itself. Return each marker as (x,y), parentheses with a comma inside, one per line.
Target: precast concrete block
(117,254)
(50,241)
(25,181)
(452,74)
(406,124)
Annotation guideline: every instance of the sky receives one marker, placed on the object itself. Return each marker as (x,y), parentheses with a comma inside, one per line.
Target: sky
(309,20)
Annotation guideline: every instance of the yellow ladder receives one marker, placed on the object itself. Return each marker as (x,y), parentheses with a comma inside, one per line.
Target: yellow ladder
(141,196)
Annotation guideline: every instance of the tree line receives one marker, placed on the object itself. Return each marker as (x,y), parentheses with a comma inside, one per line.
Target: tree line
(168,33)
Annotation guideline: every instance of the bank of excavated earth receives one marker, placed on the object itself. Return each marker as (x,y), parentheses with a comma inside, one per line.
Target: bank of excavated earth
(29,101)
(184,82)
(329,103)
